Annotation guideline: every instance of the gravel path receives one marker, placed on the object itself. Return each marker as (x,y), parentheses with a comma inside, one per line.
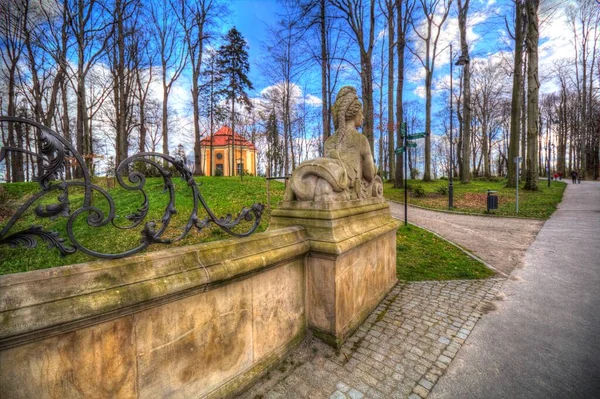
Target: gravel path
(499,241)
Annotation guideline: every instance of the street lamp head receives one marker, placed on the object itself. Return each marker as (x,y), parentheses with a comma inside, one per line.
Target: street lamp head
(462,60)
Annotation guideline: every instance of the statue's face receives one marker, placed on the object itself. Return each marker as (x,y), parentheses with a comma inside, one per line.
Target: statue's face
(358,119)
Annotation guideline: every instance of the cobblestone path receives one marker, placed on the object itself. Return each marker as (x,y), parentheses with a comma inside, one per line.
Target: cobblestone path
(400,351)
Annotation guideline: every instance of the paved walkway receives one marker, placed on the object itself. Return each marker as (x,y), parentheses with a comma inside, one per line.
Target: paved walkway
(400,351)
(543,340)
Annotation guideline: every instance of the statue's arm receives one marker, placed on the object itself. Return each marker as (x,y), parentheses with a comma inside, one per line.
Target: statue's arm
(369,169)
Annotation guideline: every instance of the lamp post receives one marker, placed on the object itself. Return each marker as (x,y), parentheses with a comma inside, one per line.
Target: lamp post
(462,60)
(550,147)
(451,167)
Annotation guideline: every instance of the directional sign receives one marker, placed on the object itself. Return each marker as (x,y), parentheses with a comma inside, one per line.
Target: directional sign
(417,136)
(403,127)
(399,150)
(412,145)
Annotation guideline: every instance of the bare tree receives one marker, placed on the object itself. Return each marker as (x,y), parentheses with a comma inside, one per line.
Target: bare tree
(515,113)
(533,87)
(435,13)
(488,93)
(13,16)
(361,20)
(584,16)
(195,18)
(390,7)
(403,17)
(172,55)
(92,29)
(463,10)
(123,55)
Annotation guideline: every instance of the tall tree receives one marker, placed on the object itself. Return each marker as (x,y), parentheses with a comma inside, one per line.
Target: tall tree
(584,16)
(515,107)
(389,13)
(361,20)
(274,153)
(283,70)
(233,66)
(122,57)
(463,10)
(403,17)
(533,88)
(195,18)
(92,29)
(172,56)
(435,13)
(13,16)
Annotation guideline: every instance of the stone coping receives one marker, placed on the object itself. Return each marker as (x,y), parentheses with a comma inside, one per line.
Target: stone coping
(341,227)
(42,303)
(334,205)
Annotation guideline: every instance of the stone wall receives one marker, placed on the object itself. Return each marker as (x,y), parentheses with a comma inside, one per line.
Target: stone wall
(195,321)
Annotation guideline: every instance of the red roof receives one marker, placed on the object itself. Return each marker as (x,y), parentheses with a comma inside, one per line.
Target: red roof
(223,138)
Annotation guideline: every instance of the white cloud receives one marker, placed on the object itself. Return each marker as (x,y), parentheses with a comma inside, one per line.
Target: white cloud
(420,91)
(313,100)
(297,96)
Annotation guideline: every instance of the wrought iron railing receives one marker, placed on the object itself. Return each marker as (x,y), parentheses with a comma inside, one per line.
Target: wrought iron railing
(54,152)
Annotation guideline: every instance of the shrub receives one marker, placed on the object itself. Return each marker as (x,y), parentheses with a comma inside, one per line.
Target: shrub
(418,191)
(443,190)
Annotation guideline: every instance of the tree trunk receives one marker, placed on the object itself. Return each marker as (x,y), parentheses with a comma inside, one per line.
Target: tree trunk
(515,106)
(428,81)
(324,63)
(401,29)
(390,92)
(533,86)
(366,77)
(524,124)
(463,10)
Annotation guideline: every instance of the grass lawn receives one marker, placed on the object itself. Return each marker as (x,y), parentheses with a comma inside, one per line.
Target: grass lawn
(421,255)
(223,195)
(471,197)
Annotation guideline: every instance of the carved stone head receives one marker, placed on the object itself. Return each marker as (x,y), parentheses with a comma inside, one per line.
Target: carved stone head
(347,110)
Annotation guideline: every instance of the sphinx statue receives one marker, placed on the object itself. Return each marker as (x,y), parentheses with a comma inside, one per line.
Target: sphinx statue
(347,171)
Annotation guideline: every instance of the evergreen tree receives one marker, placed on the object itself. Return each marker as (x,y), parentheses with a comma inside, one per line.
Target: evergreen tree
(233,66)
(273,145)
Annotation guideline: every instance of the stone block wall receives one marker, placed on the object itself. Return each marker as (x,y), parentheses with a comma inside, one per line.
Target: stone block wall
(198,321)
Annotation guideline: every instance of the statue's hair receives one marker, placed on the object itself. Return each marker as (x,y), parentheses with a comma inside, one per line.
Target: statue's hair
(345,108)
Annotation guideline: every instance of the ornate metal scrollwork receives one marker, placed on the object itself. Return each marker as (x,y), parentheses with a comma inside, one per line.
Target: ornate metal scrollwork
(54,150)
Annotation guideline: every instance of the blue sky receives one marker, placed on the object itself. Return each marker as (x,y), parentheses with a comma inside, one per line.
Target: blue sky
(487,35)
(251,17)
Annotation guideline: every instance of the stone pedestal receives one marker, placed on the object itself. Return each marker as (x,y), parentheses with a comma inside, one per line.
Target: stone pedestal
(352,261)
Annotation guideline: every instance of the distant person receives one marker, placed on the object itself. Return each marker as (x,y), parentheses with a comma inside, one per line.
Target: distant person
(579,178)
(555,177)
(559,175)
(574,176)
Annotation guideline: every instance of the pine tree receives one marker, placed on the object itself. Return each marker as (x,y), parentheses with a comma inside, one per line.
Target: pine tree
(233,66)
(273,145)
